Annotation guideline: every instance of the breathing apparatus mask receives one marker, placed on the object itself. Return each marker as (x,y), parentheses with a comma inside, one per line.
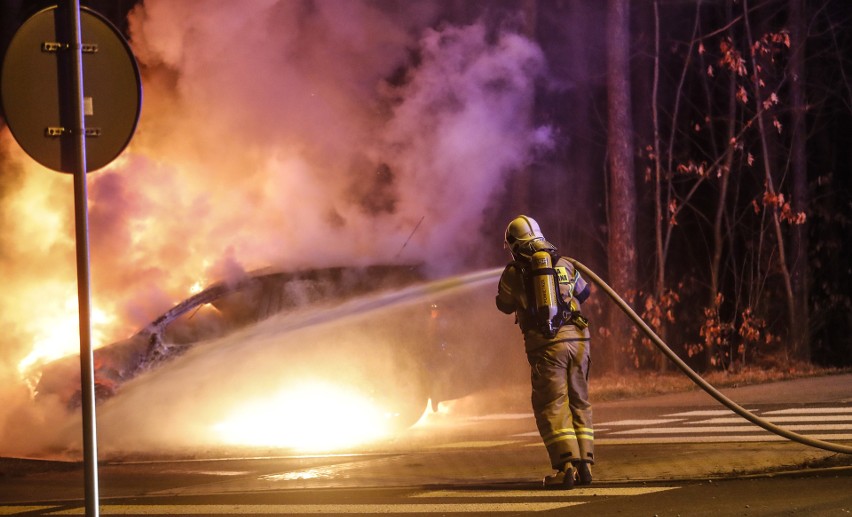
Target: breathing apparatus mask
(524,238)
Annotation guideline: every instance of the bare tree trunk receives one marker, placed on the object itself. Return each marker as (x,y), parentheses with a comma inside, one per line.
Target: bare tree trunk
(770,182)
(718,218)
(660,282)
(622,208)
(801,323)
(663,239)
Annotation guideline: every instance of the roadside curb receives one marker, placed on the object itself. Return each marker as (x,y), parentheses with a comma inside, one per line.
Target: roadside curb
(817,472)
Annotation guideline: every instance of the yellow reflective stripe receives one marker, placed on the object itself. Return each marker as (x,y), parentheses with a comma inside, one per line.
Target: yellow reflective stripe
(556,432)
(560,439)
(560,435)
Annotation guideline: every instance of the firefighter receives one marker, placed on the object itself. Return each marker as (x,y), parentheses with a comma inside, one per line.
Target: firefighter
(544,291)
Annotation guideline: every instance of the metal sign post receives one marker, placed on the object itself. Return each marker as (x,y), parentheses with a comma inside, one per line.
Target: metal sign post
(81,217)
(48,98)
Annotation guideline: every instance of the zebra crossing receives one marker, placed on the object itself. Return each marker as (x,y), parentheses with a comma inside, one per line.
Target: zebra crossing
(832,423)
(828,423)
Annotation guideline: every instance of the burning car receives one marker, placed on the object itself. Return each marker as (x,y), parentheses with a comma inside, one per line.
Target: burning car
(422,355)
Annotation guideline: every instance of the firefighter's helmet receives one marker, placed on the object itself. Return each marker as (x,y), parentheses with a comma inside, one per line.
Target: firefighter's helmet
(524,237)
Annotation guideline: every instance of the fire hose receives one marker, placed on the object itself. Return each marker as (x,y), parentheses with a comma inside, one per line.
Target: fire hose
(697,379)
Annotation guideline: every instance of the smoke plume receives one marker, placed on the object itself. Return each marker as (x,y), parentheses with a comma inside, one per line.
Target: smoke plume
(273,133)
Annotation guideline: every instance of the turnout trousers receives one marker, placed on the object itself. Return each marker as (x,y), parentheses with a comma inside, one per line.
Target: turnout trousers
(560,400)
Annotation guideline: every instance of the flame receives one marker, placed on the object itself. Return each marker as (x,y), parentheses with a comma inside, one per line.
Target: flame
(56,332)
(315,416)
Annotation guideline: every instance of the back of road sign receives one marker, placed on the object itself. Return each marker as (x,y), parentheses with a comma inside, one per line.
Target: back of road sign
(39,111)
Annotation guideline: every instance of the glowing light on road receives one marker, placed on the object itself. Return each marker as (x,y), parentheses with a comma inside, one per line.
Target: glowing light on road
(312,417)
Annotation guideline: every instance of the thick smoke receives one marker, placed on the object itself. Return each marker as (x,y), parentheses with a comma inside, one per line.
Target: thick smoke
(273,133)
(286,110)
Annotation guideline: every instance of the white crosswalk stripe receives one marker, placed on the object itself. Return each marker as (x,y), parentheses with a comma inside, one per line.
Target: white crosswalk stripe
(780,419)
(576,492)
(465,501)
(722,425)
(812,411)
(318,509)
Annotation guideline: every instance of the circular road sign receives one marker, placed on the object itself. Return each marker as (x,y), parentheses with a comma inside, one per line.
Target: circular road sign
(35,89)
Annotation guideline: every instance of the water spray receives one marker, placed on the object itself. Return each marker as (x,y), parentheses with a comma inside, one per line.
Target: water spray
(697,379)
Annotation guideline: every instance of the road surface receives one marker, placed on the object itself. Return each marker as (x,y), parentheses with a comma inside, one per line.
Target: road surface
(668,455)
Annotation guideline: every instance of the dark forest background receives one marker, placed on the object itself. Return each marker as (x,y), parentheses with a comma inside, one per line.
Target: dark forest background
(703,168)
(731,162)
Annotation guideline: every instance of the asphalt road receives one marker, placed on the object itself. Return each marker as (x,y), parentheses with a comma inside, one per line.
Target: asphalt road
(826,495)
(669,455)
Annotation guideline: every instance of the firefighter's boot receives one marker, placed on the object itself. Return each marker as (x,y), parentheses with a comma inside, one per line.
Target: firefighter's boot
(584,473)
(561,480)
